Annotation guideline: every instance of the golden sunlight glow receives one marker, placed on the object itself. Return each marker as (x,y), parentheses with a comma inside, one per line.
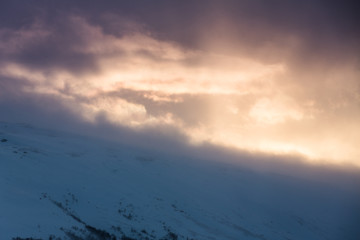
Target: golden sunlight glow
(273,111)
(174,78)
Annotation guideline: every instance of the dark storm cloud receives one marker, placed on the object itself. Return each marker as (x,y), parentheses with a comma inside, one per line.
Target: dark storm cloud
(317,20)
(321,25)
(48,46)
(314,30)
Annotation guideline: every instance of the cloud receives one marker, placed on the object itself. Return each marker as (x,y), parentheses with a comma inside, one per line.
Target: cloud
(243,74)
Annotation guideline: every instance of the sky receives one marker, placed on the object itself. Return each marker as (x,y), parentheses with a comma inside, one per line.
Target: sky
(266,77)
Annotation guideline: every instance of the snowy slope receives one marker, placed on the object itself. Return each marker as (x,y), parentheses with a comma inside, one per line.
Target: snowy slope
(56,185)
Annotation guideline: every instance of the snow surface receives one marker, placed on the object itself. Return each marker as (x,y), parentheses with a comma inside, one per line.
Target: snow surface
(56,185)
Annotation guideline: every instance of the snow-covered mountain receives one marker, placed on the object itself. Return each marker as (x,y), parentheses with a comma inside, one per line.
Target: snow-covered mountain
(57,185)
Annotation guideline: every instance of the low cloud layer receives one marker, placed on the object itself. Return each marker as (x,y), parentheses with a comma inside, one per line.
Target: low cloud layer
(281,79)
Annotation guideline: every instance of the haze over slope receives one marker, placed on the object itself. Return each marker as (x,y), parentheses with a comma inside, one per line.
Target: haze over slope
(70,186)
